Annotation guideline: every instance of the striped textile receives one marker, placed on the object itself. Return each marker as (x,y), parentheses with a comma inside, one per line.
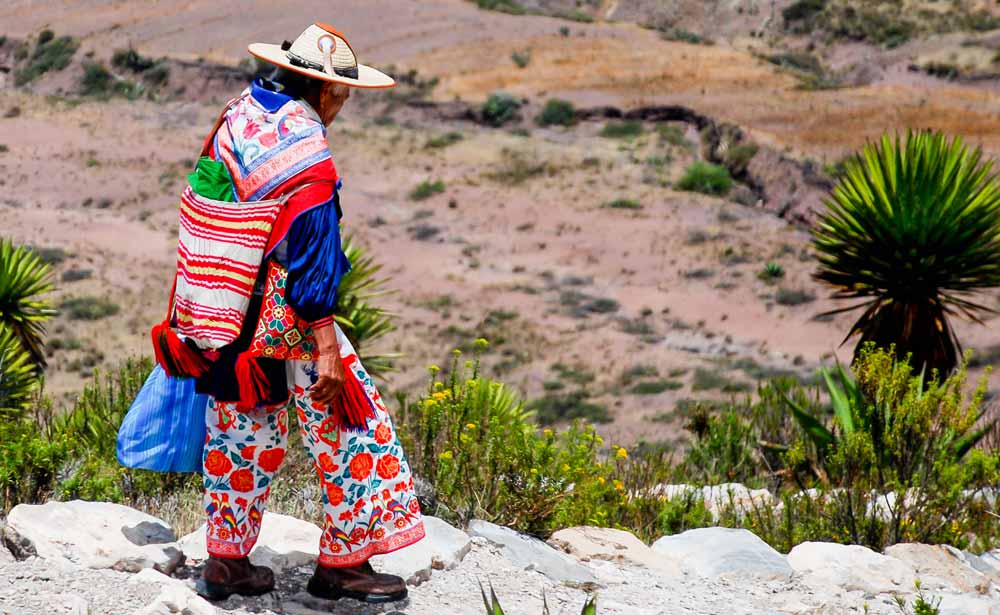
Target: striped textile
(220,249)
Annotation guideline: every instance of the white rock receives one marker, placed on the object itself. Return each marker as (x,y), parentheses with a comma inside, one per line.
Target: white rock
(952,604)
(92,534)
(940,567)
(284,542)
(715,552)
(851,567)
(441,549)
(601,543)
(176,598)
(531,553)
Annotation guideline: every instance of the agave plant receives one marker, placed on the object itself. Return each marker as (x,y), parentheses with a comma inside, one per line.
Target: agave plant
(23,277)
(18,377)
(493,607)
(363,322)
(911,229)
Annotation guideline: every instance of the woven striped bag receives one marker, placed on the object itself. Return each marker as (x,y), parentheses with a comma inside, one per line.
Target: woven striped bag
(219,254)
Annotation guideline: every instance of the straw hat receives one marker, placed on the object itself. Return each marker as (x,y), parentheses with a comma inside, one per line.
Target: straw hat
(322,53)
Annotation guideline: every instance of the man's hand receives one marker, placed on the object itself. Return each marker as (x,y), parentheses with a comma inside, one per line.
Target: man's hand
(330,384)
(331,380)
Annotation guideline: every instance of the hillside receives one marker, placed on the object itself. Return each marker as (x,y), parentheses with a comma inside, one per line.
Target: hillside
(575,253)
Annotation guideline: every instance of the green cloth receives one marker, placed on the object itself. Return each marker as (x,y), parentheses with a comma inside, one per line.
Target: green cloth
(211,180)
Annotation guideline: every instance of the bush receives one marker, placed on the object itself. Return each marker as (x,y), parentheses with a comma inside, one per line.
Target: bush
(706,178)
(426,189)
(51,53)
(623,204)
(803,9)
(628,129)
(503,6)
(501,108)
(557,113)
(97,81)
(444,140)
(89,308)
(521,58)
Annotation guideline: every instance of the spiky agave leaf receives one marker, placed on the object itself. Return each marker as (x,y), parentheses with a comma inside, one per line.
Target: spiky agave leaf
(23,277)
(363,322)
(912,229)
(18,377)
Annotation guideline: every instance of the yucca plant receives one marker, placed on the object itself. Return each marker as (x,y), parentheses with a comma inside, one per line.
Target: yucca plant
(18,377)
(912,229)
(23,277)
(493,607)
(363,322)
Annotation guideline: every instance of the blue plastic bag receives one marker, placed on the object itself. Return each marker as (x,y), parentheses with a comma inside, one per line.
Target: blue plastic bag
(164,429)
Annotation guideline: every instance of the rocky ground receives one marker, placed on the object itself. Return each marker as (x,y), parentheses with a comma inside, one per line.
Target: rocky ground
(92,558)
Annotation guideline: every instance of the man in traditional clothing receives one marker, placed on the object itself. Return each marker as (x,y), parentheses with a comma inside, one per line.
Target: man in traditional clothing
(270,143)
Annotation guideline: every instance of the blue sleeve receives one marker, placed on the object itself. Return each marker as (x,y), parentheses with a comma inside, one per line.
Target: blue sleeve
(316,261)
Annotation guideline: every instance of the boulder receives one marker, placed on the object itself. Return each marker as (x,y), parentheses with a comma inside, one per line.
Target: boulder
(850,567)
(601,543)
(532,554)
(92,534)
(952,604)
(735,497)
(715,552)
(443,548)
(284,542)
(941,567)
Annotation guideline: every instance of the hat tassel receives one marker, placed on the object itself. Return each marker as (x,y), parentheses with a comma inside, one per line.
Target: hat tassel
(327,46)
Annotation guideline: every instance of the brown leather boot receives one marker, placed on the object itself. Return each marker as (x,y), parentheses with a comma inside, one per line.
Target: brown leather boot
(223,577)
(360,582)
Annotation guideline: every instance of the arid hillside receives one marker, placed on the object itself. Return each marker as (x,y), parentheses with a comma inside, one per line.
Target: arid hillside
(607,291)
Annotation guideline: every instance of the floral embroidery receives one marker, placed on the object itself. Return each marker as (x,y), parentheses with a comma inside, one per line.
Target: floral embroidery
(368,499)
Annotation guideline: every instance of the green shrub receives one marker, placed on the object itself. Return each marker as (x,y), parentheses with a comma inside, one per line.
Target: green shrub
(97,81)
(521,58)
(655,387)
(771,271)
(684,36)
(803,9)
(623,204)
(557,113)
(503,6)
(706,178)
(130,59)
(476,442)
(444,140)
(628,129)
(426,189)
(793,296)
(88,308)
(501,108)
(51,54)
(572,406)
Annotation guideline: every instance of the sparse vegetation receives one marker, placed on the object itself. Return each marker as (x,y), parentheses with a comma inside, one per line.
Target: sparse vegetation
(627,129)
(521,58)
(444,140)
(426,189)
(503,6)
(623,204)
(771,272)
(51,53)
(706,178)
(89,308)
(501,108)
(557,113)
(793,296)
(655,387)
(517,166)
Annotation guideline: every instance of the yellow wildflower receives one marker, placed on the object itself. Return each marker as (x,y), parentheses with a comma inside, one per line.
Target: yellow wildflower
(445,456)
(622,453)
(534,470)
(547,432)
(481,343)
(600,479)
(433,369)
(430,402)
(599,440)
(470,426)
(620,486)
(565,467)
(456,352)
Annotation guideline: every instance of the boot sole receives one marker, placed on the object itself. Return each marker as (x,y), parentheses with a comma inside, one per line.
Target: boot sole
(218,592)
(331,593)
